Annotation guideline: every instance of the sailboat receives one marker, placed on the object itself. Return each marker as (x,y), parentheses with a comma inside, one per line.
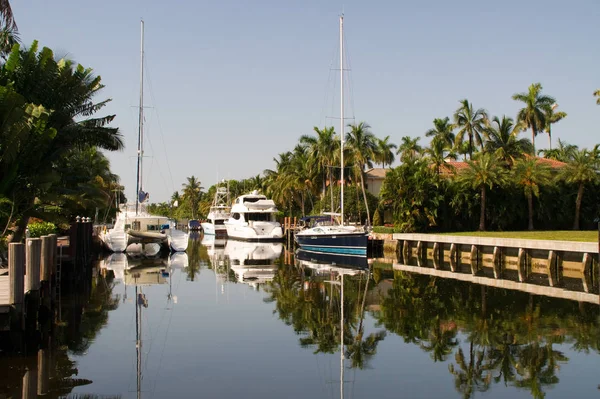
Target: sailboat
(336,239)
(219,212)
(135,230)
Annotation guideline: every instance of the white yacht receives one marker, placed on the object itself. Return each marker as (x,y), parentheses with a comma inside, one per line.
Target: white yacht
(253,262)
(253,219)
(220,211)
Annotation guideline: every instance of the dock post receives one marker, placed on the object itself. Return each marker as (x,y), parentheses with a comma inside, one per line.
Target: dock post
(43,377)
(437,258)
(552,269)
(522,265)
(32,264)
(16,273)
(474,259)
(30,380)
(497,261)
(454,256)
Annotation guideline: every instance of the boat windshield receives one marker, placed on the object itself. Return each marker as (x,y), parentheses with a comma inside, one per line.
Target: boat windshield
(258,217)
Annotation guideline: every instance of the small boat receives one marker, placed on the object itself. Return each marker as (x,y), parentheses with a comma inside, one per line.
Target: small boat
(253,263)
(194,225)
(253,219)
(219,212)
(336,239)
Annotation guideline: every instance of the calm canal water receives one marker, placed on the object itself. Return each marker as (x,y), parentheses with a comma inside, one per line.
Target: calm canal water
(247,320)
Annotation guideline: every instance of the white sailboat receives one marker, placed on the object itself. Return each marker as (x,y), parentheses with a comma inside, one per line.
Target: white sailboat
(135,230)
(336,239)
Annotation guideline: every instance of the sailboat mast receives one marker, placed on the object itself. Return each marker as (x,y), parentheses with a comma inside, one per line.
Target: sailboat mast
(138,341)
(342,340)
(342,115)
(140,124)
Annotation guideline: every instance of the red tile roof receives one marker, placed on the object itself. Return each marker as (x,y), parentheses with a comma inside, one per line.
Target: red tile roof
(376,173)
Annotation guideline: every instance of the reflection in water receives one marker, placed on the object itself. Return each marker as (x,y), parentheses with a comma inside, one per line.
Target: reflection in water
(488,339)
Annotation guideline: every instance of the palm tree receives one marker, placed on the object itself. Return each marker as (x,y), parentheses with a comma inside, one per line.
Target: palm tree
(6,15)
(582,169)
(597,94)
(485,171)
(470,123)
(409,148)
(324,149)
(552,117)
(564,152)
(531,174)
(442,130)
(502,139)
(68,90)
(362,146)
(533,114)
(192,192)
(438,153)
(384,153)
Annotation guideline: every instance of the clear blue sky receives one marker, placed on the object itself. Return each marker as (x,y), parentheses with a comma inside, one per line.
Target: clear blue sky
(234,83)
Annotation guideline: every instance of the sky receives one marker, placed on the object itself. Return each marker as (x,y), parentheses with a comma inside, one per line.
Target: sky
(232,84)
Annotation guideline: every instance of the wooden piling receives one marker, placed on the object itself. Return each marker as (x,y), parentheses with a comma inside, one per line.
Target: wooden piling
(32,264)
(43,377)
(16,272)
(45,267)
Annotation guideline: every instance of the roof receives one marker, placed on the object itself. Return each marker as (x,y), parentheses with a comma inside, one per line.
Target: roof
(455,167)
(376,173)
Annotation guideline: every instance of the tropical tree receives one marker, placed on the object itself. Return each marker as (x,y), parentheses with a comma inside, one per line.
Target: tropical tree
(564,152)
(438,153)
(6,15)
(470,123)
(502,139)
(409,148)
(442,131)
(581,169)
(66,92)
(533,114)
(597,94)
(384,153)
(484,172)
(552,117)
(192,194)
(324,149)
(531,174)
(362,147)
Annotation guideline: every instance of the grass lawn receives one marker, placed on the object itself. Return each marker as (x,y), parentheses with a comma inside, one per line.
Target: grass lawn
(566,235)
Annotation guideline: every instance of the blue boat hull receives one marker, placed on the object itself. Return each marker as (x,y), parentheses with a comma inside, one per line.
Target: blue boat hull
(353,244)
(349,261)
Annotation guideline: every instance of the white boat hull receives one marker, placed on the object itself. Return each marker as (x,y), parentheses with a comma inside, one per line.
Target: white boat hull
(255,231)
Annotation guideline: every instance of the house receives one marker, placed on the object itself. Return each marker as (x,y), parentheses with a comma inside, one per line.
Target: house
(374,178)
(456,167)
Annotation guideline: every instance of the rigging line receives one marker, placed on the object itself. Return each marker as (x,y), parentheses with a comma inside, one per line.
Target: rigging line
(159,124)
(349,77)
(322,117)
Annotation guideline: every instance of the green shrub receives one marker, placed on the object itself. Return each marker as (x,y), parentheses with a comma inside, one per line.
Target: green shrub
(39,229)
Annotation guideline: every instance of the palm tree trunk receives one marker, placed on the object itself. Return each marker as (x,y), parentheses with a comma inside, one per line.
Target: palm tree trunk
(550,135)
(533,140)
(362,184)
(578,206)
(530,206)
(470,147)
(482,215)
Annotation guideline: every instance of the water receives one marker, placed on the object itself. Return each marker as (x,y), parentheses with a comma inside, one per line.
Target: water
(246,320)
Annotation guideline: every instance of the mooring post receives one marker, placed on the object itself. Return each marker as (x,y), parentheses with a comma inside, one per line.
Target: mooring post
(45,268)
(30,380)
(16,273)
(32,264)
(43,377)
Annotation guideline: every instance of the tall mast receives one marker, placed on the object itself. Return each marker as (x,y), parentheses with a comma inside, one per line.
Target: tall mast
(140,124)
(342,114)
(342,339)
(138,342)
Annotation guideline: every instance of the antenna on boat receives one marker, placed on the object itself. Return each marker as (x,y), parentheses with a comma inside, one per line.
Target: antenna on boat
(342,115)
(141,123)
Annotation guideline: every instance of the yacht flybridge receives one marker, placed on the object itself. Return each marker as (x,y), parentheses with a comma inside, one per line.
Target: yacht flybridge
(253,219)
(220,211)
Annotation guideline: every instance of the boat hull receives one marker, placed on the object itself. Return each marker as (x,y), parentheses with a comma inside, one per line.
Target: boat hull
(347,261)
(351,244)
(247,233)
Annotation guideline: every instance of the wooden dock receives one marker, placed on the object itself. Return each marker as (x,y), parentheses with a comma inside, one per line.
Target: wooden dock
(4,305)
